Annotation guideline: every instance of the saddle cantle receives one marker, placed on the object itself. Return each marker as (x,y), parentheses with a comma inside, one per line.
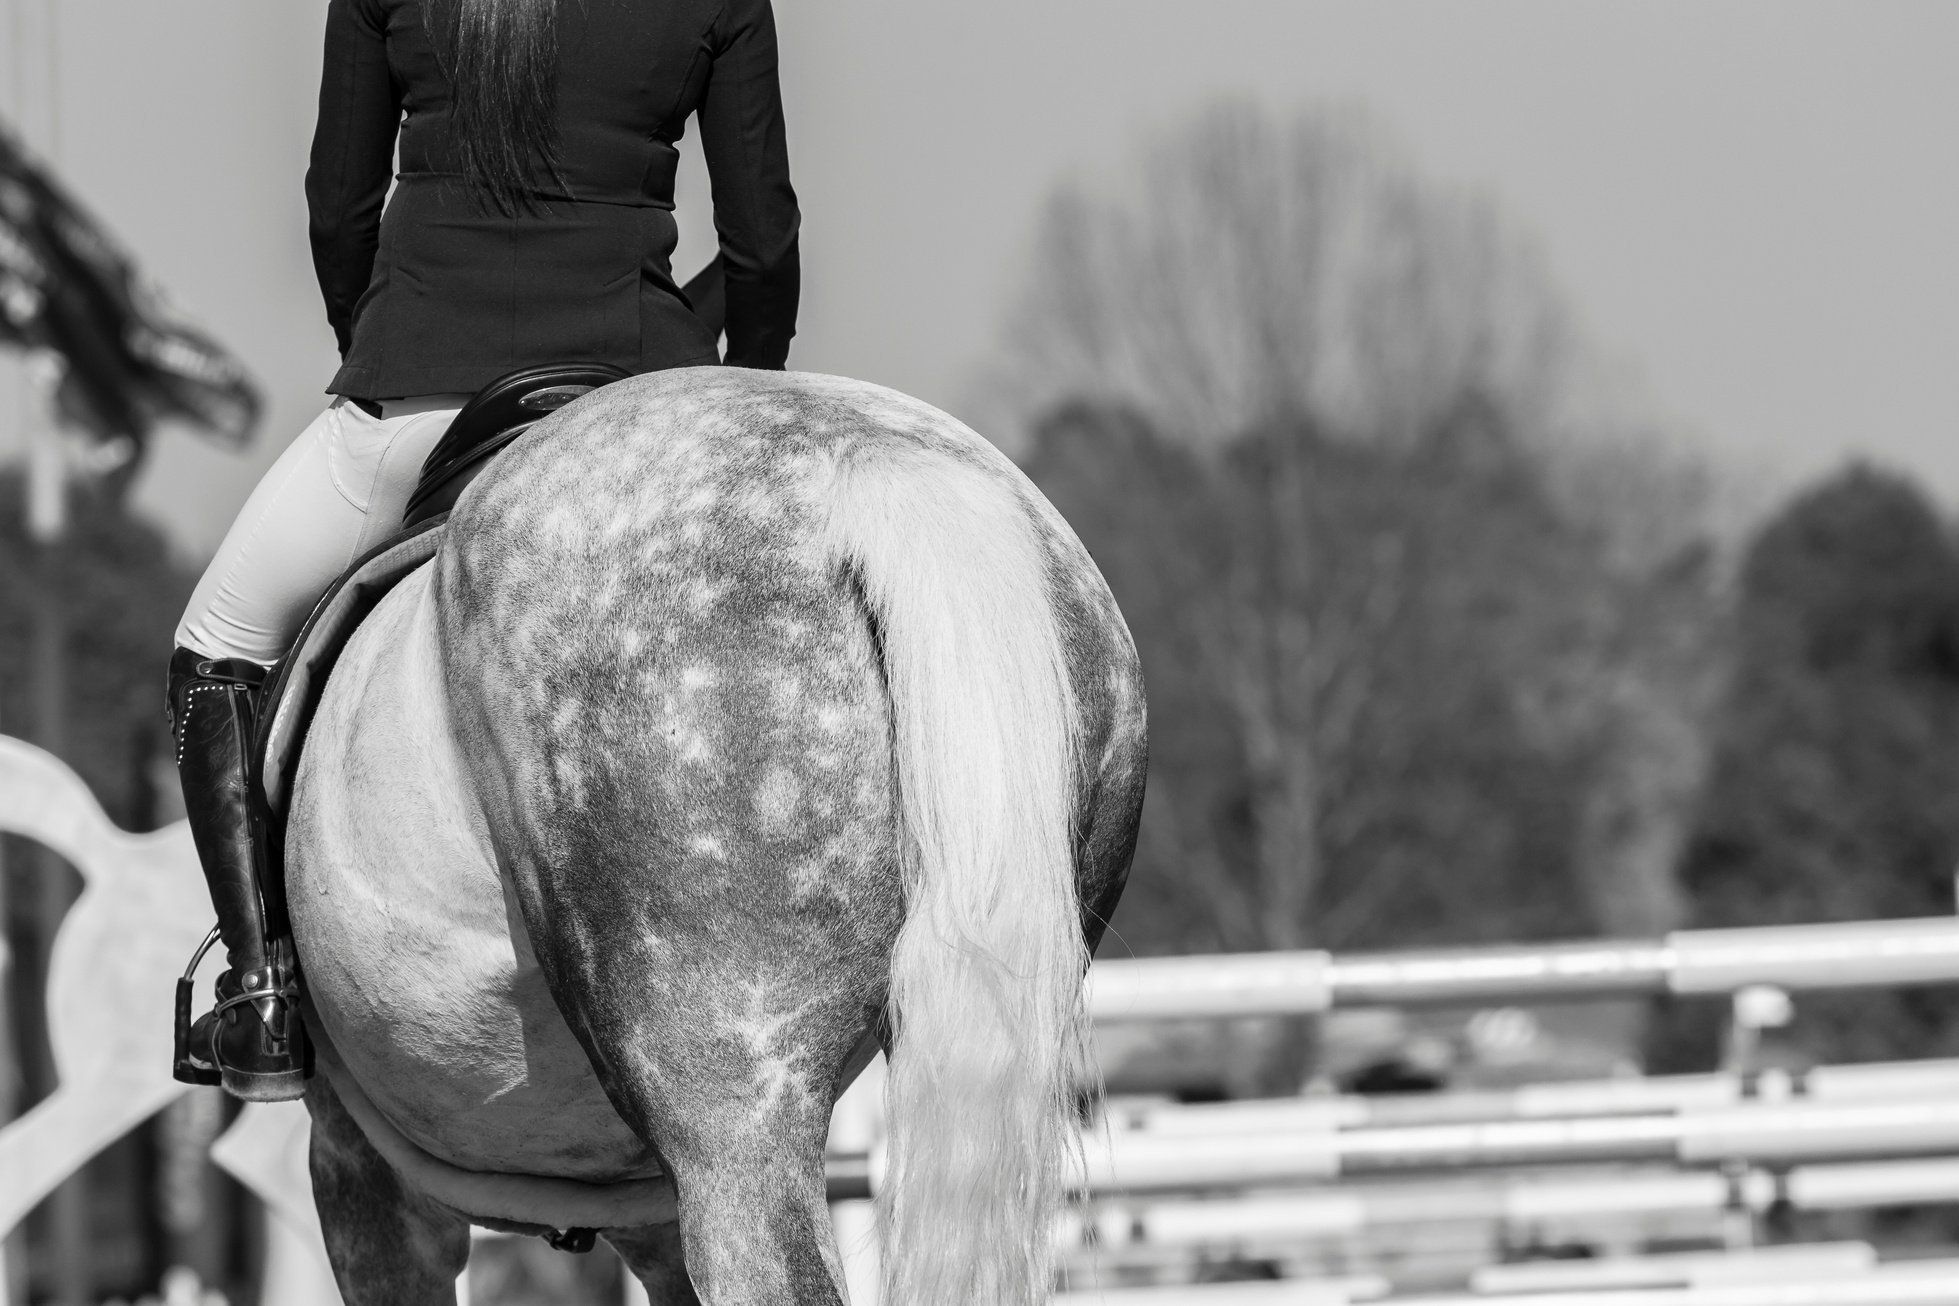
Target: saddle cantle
(496,415)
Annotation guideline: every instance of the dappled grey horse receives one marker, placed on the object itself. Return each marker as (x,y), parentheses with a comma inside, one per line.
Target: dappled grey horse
(743,722)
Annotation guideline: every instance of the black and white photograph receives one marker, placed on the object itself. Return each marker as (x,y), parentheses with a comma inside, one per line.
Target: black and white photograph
(915,653)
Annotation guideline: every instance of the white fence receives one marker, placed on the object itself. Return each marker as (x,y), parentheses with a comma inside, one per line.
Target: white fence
(143,909)
(1864,954)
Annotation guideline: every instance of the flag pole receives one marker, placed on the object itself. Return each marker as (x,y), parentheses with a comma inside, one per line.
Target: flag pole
(37,99)
(47,679)
(13,1248)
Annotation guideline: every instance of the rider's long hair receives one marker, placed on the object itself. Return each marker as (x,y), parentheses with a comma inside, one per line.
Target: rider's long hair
(501,59)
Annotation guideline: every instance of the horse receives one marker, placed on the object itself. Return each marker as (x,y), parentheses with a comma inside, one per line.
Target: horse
(743,724)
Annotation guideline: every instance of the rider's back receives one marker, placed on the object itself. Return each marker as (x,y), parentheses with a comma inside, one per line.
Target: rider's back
(461,292)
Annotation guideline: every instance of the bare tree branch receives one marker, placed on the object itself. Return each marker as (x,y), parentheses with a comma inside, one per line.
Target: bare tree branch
(1309,319)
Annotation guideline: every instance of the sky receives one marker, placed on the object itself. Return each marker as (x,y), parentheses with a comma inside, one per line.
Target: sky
(1750,205)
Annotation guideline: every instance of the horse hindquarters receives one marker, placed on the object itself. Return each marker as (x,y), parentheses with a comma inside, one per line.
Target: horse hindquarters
(686,775)
(762,685)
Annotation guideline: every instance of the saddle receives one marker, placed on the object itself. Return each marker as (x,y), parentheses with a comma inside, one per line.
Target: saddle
(496,415)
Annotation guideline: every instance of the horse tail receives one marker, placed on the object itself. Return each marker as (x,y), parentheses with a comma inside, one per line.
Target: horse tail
(988,1024)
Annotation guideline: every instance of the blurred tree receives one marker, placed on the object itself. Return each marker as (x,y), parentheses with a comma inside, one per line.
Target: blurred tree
(1421,636)
(121,594)
(1354,657)
(1834,793)
(1261,273)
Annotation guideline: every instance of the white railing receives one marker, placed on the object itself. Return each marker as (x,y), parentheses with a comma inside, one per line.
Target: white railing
(143,909)
(1862,954)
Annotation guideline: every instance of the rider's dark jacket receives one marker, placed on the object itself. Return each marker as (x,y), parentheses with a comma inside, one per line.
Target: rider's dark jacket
(441,294)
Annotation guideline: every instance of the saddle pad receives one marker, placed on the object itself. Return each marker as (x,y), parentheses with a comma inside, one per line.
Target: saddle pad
(295,691)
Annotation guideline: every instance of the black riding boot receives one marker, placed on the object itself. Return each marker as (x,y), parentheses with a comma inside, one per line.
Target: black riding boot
(253,1043)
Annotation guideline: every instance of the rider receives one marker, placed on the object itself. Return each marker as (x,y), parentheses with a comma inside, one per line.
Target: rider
(531,223)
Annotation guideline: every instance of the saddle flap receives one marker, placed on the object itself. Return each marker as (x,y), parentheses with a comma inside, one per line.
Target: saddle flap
(294,693)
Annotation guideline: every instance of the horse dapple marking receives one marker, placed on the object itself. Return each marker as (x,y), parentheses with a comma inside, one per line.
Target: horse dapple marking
(737,710)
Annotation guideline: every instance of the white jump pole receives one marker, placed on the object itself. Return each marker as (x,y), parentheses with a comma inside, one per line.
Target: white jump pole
(1898,1282)
(1285,1292)
(1351,1209)
(857,1126)
(1874,1082)
(1862,954)
(1794,1262)
(1782,1133)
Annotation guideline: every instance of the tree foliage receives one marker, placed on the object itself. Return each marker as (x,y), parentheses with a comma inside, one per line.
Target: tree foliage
(1355,659)
(1258,271)
(1834,792)
(117,595)
(1426,654)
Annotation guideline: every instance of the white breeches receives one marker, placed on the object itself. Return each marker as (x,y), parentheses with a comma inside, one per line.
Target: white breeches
(339,490)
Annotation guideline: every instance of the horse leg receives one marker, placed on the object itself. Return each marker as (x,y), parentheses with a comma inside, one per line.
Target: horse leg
(652,1253)
(389,1245)
(746,1154)
(755,1222)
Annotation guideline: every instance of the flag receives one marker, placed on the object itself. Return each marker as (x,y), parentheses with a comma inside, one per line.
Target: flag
(127,362)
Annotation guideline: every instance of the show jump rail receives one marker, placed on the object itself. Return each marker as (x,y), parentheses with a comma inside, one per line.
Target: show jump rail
(1777,1134)
(1880,1081)
(1861,954)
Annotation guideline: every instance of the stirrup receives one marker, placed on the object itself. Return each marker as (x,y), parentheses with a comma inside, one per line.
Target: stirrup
(184,1068)
(279,1085)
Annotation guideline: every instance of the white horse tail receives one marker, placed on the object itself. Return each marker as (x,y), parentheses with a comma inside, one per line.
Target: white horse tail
(990,1029)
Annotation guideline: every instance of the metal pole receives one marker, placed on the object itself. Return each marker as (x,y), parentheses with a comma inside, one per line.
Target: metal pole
(1791,1262)
(37,61)
(1798,958)
(47,524)
(1346,1211)
(857,1126)
(1289,1292)
(1778,1134)
(1928,1281)
(1655,1095)
(13,1248)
